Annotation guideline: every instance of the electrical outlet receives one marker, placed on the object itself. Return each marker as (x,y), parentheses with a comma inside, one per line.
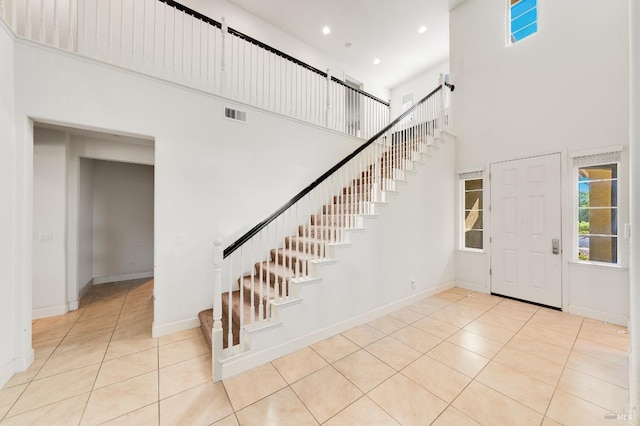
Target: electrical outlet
(180,239)
(413,284)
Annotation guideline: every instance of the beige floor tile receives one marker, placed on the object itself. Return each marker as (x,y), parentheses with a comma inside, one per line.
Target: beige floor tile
(608,337)
(228,421)
(490,331)
(424,307)
(126,367)
(406,315)
(476,343)
(467,309)
(27,375)
(548,422)
(417,339)
(184,375)
(487,406)
(182,350)
(546,335)
(281,408)
(55,388)
(94,324)
(519,306)
(127,346)
(181,335)
(498,320)
(458,358)
(8,396)
(202,405)
(605,327)
(363,335)
(394,353)
(540,348)
(364,370)
(567,409)
(61,362)
(454,417)
(603,352)
(121,398)
(362,412)
(142,416)
(594,390)
(45,348)
(387,324)
(611,373)
(299,364)
(439,379)
(78,341)
(524,389)
(326,392)
(247,388)
(512,312)
(436,327)
(563,323)
(335,348)
(63,413)
(457,319)
(407,402)
(449,296)
(533,366)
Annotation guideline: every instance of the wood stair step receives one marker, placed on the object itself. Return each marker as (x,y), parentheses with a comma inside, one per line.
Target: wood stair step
(320,232)
(305,244)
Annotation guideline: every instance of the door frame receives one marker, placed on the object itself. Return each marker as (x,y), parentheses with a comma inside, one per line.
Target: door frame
(566,218)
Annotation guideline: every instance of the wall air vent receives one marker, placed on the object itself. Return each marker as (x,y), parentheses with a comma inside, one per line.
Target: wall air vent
(235,115)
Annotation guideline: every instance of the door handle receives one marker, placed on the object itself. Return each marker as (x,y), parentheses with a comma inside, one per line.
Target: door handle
(555,246)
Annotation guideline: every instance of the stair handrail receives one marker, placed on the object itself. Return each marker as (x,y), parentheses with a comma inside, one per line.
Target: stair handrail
(266,47)
(260,226)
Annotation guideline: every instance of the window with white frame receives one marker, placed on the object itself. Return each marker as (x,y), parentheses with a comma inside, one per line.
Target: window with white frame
(597,207)
(472,228)
(523,19)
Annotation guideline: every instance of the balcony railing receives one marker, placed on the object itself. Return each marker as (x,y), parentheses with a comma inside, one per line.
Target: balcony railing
(169,41)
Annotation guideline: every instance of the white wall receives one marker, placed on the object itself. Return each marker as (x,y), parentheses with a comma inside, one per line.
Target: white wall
(122,219)
(564,89)
(420,86)
(13,301)
(214,178)
(49,222)
(85,226)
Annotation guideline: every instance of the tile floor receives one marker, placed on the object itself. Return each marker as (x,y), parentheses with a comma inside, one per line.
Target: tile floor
(457,358)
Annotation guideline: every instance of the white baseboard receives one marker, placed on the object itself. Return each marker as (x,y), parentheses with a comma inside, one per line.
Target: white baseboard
(248,360)
(472,287)
(6,373)
(599,315)
(49,312)
(24,362)
(122,277)
(174,327)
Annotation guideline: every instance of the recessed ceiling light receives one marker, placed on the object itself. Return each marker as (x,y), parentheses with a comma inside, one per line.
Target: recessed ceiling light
(326,30)
(422,29)
(376,61)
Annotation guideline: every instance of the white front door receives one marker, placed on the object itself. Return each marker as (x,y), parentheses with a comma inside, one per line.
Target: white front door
(526,229)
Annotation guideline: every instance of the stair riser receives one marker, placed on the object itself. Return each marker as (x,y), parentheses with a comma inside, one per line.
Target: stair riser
(303,246)
(287,261)
(343,221)
(332,209)
(351,198)
(358,189)
(321,234)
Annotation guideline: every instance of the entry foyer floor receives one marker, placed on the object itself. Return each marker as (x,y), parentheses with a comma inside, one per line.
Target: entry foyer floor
(457,358)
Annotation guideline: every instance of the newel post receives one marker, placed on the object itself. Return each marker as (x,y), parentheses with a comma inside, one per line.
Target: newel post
(216,331)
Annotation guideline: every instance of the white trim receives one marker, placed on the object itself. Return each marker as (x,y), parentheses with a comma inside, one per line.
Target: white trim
(49,312)
(598,315)
(174,327)
(596,151)
(473,287)
(85,288)
(599,265)
(248,360)
(123,277)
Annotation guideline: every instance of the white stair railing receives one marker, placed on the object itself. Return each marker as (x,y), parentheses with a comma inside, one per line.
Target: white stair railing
(263,269)
(167,40)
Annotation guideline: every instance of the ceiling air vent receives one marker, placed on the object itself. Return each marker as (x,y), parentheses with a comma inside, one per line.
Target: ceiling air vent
(235,115)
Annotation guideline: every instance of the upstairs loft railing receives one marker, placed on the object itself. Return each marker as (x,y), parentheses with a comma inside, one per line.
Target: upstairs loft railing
(170,41)
(262,270)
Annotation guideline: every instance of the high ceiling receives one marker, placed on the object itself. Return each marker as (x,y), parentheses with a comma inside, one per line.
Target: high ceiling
(382,29)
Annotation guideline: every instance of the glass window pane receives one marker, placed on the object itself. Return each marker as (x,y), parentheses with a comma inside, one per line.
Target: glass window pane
(473,200)
(598,249)
(472,219)
(598,194)
(473,184)
(524,20)
(473,239)
(518,8)
(599,221)
(604,171)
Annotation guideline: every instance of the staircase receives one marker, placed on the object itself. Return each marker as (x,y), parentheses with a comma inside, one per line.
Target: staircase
(312,240)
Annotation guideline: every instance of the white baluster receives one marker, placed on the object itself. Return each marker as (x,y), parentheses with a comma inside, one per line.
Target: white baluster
(3,12)
(14,16)
(223,61)
(97,27)
(241,294)
(70,37)
(175,36)
(153,38)
(122,31)
(43,26)
(144,31)
(27,26)
(164,38)
(56,33)
(262,307)
(110,31)
(184,44)
(193,47)
(84,26)
(230,306)
(216,331)
(253,275)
